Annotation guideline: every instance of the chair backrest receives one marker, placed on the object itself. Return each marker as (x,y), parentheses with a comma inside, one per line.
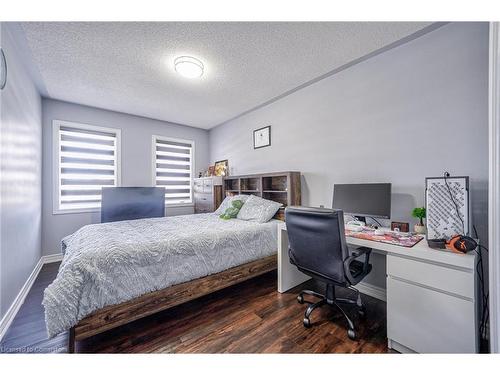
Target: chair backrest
(317,241)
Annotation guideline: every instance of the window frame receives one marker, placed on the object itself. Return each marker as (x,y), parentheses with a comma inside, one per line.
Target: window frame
(56,162)
(192,169)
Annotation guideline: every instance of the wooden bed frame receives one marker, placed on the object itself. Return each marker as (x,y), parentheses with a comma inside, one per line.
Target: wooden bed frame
(116,315)
(109,317)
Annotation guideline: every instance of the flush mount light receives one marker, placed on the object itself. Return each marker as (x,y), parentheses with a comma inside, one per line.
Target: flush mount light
(188,67)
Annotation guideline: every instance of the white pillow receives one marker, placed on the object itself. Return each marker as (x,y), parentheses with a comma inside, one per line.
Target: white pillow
(258,209)
(226,203)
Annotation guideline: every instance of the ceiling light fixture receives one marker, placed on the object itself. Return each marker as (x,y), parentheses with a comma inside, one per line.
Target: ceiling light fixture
(188,67)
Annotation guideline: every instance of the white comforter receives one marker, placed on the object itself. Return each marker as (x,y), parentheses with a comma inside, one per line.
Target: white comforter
(109,263)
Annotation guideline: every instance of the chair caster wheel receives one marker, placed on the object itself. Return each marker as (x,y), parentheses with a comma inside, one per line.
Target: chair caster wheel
(307,323)
(351,334)
(300,299)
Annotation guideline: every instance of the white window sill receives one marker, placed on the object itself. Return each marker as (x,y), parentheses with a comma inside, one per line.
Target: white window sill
(76,211)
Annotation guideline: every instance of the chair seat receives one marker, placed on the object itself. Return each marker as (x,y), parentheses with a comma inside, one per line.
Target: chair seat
(356,268)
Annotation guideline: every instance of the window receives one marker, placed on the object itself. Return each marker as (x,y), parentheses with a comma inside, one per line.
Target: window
(173,168)
(86,158)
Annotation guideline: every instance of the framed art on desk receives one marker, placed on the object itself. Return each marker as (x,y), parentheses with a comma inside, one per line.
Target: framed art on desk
(221,168)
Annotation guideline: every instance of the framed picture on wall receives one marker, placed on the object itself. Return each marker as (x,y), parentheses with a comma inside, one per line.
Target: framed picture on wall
(262,137)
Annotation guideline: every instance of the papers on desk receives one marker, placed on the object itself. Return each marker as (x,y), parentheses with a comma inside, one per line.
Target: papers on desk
(393,238)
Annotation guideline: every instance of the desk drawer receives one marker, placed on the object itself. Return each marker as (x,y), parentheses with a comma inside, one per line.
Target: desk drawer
(428,321)
(202,210)
(207,186)
(451,280)
(198,186)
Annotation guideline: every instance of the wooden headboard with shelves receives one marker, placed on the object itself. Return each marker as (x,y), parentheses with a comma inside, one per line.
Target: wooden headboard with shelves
(282,187)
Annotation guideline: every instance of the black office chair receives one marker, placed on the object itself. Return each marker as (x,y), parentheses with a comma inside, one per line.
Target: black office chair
(318,248)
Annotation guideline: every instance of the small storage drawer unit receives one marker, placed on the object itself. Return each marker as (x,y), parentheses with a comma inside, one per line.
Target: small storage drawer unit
(207,194)
(431,307)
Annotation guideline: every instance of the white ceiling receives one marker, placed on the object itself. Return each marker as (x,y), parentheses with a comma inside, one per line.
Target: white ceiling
(128,67)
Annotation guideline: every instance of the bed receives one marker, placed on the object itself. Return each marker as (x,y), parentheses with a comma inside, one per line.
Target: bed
(117,272)
(114,273)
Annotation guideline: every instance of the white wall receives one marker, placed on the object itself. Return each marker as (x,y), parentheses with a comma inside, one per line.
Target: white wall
(136,159)
(411,112)
(20,166)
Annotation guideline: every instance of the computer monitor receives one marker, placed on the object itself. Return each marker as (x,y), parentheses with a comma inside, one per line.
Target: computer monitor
(361,200)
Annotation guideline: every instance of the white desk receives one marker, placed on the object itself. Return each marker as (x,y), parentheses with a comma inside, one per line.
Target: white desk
(431,295)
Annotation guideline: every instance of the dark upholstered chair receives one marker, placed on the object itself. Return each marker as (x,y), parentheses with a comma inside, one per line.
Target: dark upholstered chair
(318,248)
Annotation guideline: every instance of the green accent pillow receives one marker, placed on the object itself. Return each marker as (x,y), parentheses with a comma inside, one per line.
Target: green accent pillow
(232,212)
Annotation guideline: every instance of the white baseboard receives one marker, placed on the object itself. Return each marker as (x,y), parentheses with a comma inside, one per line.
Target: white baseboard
(372,290)
(21,296)
(52,258)
(18,301)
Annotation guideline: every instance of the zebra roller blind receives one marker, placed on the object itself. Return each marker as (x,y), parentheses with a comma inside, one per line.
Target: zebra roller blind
(173,163)
(87,160)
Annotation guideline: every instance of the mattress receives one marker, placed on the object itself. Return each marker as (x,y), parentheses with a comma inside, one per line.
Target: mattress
(109,263)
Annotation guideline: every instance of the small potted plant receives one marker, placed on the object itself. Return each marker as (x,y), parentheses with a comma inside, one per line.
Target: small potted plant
(419,213)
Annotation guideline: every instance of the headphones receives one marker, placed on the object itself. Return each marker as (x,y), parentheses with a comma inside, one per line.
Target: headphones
(461,244)
(458,244)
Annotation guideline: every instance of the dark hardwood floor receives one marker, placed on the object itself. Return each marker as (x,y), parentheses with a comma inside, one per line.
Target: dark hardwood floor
(251,317)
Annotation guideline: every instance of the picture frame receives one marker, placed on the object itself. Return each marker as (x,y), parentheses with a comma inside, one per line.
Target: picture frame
(262,137)
(401,226)
(221,168)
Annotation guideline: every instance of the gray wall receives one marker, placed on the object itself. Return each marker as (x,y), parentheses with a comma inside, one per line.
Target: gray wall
(136,163)
(20,166)
(395,117)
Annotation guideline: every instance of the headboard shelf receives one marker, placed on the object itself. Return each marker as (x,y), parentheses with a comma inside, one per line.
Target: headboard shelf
(282,187)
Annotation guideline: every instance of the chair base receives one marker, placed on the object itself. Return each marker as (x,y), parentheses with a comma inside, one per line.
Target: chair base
(330,299)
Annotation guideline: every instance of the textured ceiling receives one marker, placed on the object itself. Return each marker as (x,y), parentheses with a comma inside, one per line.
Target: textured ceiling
(128,67)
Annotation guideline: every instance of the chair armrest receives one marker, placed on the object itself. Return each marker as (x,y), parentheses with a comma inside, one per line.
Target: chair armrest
(360,251)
